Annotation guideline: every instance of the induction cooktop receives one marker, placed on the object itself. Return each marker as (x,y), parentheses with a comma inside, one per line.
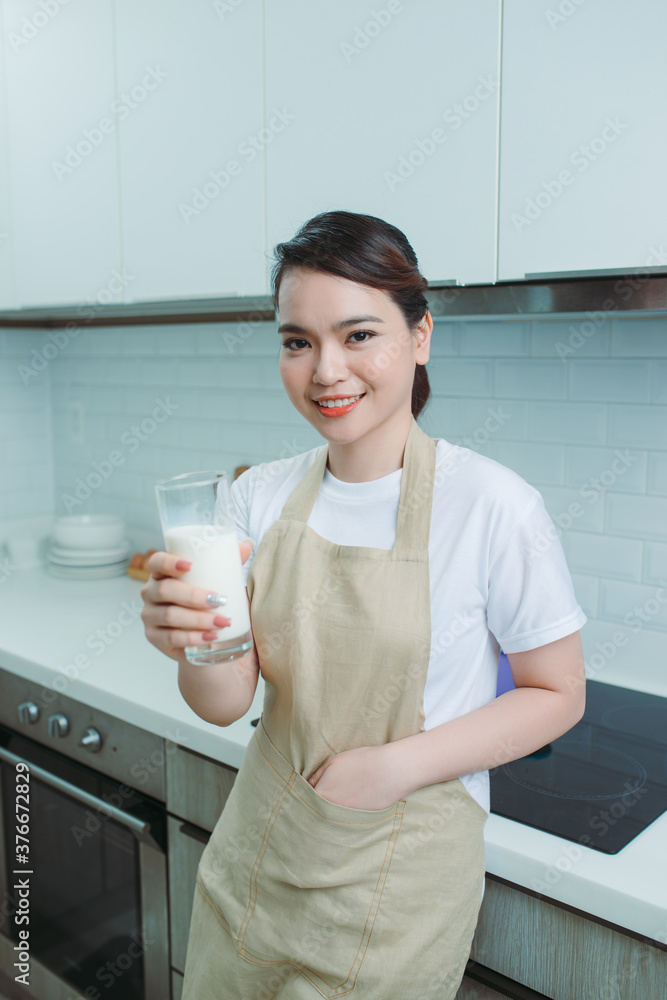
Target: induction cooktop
(602,782)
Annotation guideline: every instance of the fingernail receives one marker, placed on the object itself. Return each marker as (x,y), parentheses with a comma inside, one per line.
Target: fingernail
(183,564)
(221,622)
(216,600)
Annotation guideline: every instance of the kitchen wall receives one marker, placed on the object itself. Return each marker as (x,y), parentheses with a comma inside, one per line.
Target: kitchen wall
(577,407)
(26,442)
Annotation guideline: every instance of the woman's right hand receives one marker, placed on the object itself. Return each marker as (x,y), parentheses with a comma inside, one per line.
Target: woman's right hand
(176,614)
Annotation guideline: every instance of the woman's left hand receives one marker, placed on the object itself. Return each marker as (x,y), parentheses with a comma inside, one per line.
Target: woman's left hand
(362,778)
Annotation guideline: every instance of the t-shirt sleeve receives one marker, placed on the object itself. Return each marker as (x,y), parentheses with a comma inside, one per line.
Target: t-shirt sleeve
(240,503)
(531,597)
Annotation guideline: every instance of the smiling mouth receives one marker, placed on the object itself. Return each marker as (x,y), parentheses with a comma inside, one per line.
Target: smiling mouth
(338,407)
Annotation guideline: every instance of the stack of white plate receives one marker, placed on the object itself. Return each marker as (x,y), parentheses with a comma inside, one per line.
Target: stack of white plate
(88,547)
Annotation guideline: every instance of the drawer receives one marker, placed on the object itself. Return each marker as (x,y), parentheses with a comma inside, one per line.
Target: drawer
(186,846)
(197,787)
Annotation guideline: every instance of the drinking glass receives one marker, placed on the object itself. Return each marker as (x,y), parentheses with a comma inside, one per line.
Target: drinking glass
(198,524)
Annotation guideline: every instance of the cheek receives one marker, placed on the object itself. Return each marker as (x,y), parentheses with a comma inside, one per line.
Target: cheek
(391,365)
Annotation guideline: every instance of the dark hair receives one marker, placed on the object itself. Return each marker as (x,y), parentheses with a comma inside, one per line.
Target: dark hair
(369,251)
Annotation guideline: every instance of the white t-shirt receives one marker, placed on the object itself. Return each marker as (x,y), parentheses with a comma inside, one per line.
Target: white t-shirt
(497,570)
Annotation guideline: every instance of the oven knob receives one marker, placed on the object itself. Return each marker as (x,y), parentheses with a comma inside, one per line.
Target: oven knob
(58,725)
(91,740)
(28,711)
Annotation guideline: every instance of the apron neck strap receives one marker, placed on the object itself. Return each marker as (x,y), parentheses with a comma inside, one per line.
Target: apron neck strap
(413,523)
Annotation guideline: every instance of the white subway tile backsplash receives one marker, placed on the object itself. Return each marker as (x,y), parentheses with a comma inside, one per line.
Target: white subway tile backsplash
(624,469)
(530,379)
(583,423)
(445,339)
(581,412)
(655,562)
(638,426)
(636,516)
(495,339)
(634,604)
(612,648)
(659,381)
(572,510)
(657,473)
(568,339)
(640,337)
(461,376)
(619,558)
(621,381)
(539,464)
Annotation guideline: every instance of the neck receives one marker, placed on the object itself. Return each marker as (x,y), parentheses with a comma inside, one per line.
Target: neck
(376,454)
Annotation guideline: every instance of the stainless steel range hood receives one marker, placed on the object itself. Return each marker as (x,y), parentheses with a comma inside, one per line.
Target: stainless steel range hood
(572,293)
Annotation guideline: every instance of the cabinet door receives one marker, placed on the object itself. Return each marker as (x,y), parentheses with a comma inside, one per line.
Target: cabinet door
(583,147)
(62,133)
(191,150)
(393,112)
(6,277)
(186,846)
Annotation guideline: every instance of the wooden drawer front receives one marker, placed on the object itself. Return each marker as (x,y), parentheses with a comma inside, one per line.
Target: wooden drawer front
(471,990)
(185,850)
(561,954)
(176,985)
(197,787)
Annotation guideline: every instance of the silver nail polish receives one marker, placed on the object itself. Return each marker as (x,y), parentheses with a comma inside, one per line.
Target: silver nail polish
(216,600)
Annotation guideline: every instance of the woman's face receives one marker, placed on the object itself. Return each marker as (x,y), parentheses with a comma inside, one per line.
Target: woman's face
(341,340)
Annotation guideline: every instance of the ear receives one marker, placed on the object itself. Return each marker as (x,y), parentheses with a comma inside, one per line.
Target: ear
(423,332)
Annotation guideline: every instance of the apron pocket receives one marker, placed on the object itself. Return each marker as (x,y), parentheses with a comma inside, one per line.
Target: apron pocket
(316,884)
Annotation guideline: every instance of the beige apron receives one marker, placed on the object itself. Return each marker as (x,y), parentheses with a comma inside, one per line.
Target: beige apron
(297,896)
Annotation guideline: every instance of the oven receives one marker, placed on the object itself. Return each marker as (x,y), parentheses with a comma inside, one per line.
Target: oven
(83,834)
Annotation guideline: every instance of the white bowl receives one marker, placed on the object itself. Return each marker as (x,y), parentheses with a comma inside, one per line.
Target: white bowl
(88,531)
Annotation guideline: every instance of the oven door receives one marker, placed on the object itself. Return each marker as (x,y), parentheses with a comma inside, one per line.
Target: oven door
(97,875)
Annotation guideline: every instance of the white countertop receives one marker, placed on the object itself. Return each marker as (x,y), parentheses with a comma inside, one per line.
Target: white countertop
(47,623)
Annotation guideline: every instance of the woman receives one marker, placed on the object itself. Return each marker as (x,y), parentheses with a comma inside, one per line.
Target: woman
(349,856)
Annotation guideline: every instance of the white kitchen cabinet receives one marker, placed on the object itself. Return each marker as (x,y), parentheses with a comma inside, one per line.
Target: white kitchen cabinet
(393,112)
(62,152)
(191,151)
(6,276)
(583,145)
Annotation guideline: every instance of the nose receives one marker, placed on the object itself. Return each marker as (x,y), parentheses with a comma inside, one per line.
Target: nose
(330,365)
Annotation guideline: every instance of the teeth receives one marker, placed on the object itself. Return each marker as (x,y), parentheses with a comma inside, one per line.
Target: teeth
(330,403)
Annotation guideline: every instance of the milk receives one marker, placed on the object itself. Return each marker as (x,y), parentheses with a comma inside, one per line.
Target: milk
(216,566)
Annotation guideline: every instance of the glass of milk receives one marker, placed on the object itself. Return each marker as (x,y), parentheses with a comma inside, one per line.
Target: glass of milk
(198,524)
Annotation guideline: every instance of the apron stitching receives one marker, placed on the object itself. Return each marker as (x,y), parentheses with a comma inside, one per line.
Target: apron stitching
(280,801)
(392,840)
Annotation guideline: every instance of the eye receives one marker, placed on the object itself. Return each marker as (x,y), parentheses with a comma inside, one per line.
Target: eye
(362,333)
(294,340)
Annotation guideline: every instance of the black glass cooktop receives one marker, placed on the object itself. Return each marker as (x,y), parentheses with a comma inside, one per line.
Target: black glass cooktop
(602,782)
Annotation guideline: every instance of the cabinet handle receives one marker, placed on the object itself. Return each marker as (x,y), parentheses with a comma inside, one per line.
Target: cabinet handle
(141,830)
(501,984)
(194,832)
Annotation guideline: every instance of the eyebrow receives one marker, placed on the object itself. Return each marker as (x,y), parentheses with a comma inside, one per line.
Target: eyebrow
(295,328)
